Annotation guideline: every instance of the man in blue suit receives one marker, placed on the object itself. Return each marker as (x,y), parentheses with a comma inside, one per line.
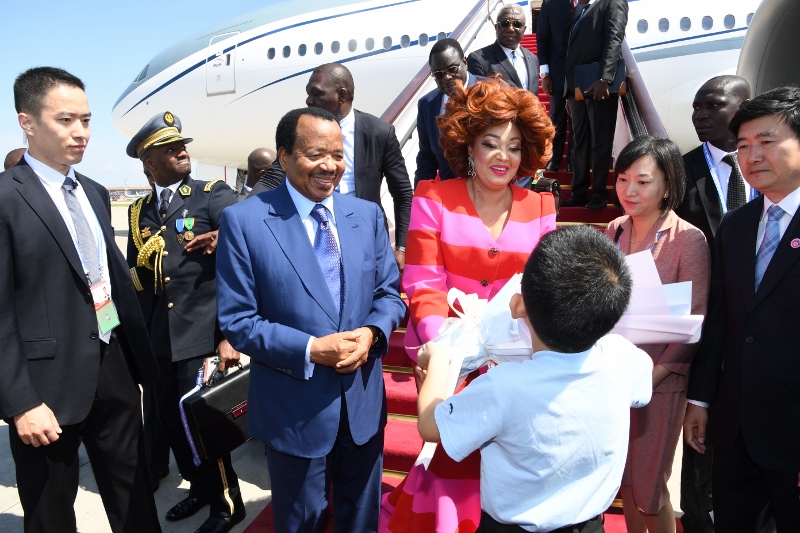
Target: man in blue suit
(307,286)
(447,65)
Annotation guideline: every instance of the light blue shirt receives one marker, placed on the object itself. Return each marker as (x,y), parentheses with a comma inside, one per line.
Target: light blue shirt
(518,61)
(304,207)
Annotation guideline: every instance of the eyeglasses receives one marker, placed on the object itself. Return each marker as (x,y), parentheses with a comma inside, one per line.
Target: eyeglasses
(518,24)
(439,74)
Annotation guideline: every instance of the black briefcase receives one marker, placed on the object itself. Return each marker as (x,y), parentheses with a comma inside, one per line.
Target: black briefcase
(542,184)
(586,75)
(216,415)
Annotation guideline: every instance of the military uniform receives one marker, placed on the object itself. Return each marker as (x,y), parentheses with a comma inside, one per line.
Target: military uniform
(177,293)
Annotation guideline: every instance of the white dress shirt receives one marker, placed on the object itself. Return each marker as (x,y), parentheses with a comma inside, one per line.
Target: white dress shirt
(518,61)
(348,183)
(304,207)
(159,188)
(53,182)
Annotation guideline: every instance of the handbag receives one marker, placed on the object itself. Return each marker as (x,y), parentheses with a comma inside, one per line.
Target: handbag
(215,415)
(548,185)
(586,75)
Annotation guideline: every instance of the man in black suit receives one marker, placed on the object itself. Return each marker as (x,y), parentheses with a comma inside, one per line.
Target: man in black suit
(710,166)
(371,151)
(74,342)
(447,65)
(258,163)
(596,31)
(170,233)
(551,44)
(747,365)
(518,66)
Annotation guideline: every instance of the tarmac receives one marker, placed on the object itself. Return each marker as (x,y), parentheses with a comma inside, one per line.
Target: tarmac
(249,462)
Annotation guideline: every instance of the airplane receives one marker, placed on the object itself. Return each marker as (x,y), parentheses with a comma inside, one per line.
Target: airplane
(230,84)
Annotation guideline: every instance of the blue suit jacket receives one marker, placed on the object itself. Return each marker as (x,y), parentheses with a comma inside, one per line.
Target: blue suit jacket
(271,296)
(430,157)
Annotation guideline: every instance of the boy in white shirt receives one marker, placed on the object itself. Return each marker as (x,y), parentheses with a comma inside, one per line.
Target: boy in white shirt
(553,431)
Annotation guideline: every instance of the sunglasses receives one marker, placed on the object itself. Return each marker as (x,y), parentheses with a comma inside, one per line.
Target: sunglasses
(439,74)
(518,24)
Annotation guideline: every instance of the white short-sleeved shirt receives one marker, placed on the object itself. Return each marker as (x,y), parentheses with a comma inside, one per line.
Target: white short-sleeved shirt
(553,431)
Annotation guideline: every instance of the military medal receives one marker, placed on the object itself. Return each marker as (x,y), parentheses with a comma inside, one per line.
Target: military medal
(185,212)
(179,225)
(180,238)
(189,223)
(188,235)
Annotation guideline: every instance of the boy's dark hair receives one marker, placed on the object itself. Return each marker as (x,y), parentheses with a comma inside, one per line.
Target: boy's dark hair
(286,133)
(668,159)
(32,86)
(575,287)
(781,101)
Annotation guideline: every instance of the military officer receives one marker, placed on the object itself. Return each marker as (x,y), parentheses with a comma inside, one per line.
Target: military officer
(172,230)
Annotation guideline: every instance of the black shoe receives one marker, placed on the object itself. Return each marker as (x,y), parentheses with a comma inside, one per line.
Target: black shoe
(221,524)
(155,481)
(552,166)
(569,167)
(185,508)
(596,204)
(573,201)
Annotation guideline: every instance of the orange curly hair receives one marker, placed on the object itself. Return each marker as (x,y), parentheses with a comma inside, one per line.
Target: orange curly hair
(485,105)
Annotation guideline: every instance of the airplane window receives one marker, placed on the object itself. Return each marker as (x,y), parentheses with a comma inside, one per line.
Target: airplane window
(301,49)
(749,18)
(369,44)
(423,39)
(642,26)
(271,53)
(686,24)
(142,75)
(352,45)
(708,23)
(729,21)
(405,40)
(441,35)
(286,51)
(318,48)
(663,25)
(335,47)
(387,43)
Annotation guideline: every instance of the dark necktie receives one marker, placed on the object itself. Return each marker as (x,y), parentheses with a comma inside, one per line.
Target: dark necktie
(330,261)
(580,9)
(166,194)
(772,236)
(736,190)
(87,247)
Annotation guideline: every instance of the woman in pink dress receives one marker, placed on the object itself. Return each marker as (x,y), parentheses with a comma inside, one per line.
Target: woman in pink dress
(472,233)
(650,184)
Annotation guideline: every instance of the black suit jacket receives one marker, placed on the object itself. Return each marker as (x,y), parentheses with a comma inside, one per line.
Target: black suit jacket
(552,32)
(701,206)
(493,60)
(376,154)
(597,39)
(181,316)
(748,362)
(51,349)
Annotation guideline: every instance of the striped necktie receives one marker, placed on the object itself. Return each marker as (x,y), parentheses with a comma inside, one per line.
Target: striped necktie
(772,236)
(87,246)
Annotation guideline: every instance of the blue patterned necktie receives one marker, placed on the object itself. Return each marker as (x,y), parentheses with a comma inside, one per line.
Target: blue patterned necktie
(87,246)
(330,261)
(772,236)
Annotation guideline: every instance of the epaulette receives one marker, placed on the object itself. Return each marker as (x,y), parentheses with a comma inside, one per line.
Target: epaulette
(210,185)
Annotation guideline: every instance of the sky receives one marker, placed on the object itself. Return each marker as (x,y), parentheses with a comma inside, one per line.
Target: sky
(106,44)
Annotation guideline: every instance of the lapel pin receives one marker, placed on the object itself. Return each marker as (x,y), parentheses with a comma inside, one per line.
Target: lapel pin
(795,243)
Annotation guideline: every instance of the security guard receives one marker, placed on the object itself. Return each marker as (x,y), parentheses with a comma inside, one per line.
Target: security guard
(171,233)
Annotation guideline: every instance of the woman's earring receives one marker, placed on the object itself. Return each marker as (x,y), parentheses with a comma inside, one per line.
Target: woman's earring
(471,170)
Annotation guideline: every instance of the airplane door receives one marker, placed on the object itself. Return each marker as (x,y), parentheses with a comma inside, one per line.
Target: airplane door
(221,64)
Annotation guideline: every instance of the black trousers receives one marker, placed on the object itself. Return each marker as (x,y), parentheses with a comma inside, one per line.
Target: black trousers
(490,525)
(745,493)
(156,447)
(594,123)
(696,501)
(47,476)
(558,114)
(215,483)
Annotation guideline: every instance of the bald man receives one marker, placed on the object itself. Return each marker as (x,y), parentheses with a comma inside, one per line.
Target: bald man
(258,162)
(13,157)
